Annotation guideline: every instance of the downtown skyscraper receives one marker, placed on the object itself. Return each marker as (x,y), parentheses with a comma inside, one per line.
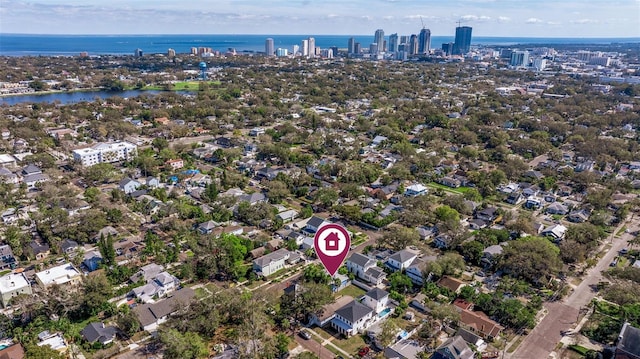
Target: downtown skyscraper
(379,40)
(424,41)
(393,43)
(462,44)
(269,47)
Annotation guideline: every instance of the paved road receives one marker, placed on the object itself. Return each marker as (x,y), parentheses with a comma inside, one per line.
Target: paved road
(562,316)
(315,347)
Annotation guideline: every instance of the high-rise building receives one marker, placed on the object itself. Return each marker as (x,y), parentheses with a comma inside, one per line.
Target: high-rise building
(171,53)
(312,47)
(447,48)
(295,50)
(357,49)
(351,48)
(194,51)
(334,49)
(539,63)
(393,43)
(280,52)
(462,43)
(379,39)
(137,53)
(305,48)
(269,47)
(424,41)
(520,59)
(413,44)
(373,49)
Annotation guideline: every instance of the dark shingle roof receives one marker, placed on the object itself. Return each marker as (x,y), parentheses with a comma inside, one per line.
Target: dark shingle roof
(629,341)
(403,255)
(376,293)
(360,259)
(98,332)
(354,311)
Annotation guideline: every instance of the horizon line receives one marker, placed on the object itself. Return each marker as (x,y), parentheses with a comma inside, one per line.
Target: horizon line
(353,35)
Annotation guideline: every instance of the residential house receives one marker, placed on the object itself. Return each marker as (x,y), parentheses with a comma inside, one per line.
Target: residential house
(404,349)
(414,190)
(287,216)
(352,318)
(146,273)
(579,216)
(257,131)
(207,227)
(488,214)
(9,216)
(271,263)
(253,198)
(38,250)
(152,315)
(68,246)
(514,198)
(12,285)
(449,182)
(557,208)
(128,185)
(92,260)
(7,176)
(628,343)
(416,270)
(13,351)
(365,268)
(479,323)
(314,223)
(490,254)
(418,302)
(533,203)
(477,223)
(161,285)
(31,169)
(53,340)
(376,299)
(530,191)
(65,274)
(454,348)
(401,260)
(557,232)
(174,164)
(153,182)
(427,232)
(453,284)
(32,181)
(328,311)
(98,332)
(7,260)
(105,232)
(442,241)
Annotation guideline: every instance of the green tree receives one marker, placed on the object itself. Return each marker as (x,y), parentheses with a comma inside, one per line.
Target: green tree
(33,351)
(533,259)
(388,331)
(210,193)
(105,245)
(97,290)
(128,322)
(400,282)
(399,237)
(91,194)
(188,345)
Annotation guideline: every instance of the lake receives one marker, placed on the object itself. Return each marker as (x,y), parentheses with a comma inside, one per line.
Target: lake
(75,97)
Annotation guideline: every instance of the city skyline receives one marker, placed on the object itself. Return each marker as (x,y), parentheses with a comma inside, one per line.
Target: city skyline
(508,18)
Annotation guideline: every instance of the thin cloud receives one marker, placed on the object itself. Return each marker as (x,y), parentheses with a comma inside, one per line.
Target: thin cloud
(534,20)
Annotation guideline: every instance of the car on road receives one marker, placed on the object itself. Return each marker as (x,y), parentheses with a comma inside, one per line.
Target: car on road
(304,334)
(624,251)
(614,262)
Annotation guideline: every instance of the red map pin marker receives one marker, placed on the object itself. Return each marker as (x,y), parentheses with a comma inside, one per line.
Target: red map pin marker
(332,243)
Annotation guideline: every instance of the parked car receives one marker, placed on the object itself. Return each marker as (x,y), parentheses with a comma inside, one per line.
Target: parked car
(304,334)
(363,351)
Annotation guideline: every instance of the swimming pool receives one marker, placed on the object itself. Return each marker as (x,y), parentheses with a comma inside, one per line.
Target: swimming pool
(384,313)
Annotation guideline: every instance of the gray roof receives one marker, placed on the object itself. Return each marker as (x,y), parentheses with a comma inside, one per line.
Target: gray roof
(454,348)
(629,340)
(403,255)
(151,313)
(31,169)
(315,222)
(271,257)
(98,332)
(493,250)
(361,260)
(35,177)
(252,198)
(376,293)
(375,272)
(354,311)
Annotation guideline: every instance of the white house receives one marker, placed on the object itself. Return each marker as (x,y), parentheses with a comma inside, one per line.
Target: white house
(65,273)
(365,268)
(376,299)
(152,315)
(12,285)
(352,319)
(414,190)
(271,263)
(416,271)
(556,232)
(105,153)
(32,180)
(128,185)
(401,259)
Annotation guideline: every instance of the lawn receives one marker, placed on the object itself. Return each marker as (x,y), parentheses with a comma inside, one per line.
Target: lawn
(350,345)
(323,333)
(351,290)
(459,190)
(201,293)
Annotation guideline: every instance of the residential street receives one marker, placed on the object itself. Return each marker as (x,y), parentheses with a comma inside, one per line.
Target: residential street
(562,316)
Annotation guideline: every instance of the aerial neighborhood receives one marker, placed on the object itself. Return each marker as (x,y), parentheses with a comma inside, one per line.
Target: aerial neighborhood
(492,207)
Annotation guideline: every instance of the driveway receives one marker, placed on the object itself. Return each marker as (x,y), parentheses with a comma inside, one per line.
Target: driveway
(562,316)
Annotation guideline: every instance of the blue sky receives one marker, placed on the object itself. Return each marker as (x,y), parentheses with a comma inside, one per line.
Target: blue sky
(539,18)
